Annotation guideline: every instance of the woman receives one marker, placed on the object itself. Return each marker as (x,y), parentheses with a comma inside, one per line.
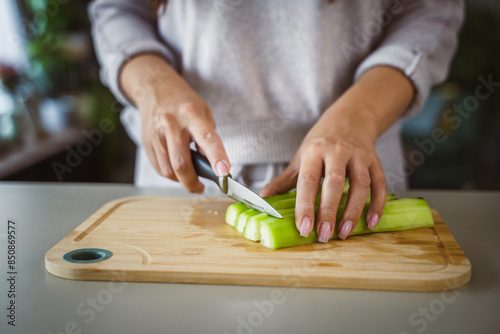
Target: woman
(299,91)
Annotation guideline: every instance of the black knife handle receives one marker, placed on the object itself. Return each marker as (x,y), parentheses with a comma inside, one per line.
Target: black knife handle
(202,167)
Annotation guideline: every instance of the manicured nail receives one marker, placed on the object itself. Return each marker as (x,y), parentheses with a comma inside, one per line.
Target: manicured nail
(324,232)
(374,219)
(305,226)
(345,230)
(221,168)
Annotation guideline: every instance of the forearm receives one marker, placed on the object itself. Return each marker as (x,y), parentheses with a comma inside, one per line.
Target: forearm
(147,74)
(372,104)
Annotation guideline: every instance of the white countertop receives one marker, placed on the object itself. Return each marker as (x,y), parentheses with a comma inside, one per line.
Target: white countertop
(46,213)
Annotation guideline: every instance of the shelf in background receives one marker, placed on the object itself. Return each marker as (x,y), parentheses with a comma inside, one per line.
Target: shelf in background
(38,151)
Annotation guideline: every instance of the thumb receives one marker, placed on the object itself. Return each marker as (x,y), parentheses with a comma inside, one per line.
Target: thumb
(282,183)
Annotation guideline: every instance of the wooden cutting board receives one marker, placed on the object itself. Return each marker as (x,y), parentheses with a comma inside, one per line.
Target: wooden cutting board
(185,239)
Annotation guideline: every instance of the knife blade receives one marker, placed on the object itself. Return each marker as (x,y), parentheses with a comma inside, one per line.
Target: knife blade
(232,188)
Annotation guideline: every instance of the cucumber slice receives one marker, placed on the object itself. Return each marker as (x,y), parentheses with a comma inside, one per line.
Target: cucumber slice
(252,227)
(233,211)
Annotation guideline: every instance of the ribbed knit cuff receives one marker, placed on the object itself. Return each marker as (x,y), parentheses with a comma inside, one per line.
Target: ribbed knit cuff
(411,63)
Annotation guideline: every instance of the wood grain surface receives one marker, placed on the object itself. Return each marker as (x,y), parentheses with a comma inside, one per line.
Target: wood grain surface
(185,240)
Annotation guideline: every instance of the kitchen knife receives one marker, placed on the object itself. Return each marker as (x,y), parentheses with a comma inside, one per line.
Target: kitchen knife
(232,188)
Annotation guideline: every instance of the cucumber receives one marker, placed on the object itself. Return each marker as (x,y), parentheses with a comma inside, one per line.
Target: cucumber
(248,221)
(251,230)
(399,214)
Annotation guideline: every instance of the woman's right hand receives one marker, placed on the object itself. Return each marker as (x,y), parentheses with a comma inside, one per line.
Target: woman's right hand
(173,115)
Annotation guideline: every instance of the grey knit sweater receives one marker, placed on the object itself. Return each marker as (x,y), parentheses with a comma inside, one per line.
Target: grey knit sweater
(269,68)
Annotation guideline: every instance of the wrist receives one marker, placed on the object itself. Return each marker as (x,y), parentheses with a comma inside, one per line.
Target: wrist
(372,104)
(353,120)
(145,76)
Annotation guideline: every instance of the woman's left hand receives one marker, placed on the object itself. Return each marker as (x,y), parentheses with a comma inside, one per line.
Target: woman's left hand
(342,144)
(333,148)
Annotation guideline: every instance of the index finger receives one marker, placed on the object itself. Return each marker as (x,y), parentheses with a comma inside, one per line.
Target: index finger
(204,135)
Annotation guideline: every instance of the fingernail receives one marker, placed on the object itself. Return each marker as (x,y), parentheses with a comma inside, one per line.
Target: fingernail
(221,168)
(374,219)
(345,230)
(324,232)
(305,226)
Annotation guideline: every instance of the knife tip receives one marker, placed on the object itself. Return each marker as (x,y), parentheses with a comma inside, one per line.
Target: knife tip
(277,215)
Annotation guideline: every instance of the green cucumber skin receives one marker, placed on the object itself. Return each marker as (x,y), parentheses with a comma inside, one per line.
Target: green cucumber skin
(396,217)
(399,214)
(243,218)
(279,202)
(288,199)
(285,204)
(283,233)
(234,210)
(252,227)
(346,186)
(284,207)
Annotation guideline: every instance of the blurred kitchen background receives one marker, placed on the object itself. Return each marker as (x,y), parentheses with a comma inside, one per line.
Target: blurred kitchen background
(59,123)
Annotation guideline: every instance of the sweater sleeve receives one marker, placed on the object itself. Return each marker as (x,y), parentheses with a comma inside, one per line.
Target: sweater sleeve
(122,29)
(420,40)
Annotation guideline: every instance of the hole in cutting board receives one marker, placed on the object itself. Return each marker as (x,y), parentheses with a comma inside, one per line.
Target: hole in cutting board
(87,255)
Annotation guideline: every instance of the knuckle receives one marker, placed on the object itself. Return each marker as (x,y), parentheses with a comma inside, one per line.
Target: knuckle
(189,109)
(208,135)
(335,176)
(328,212)
(318,145)
(360,151)
(344,147)
(167,118)
(167,121)
(180,165)
(380,183)
(362,179)
(308,177)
